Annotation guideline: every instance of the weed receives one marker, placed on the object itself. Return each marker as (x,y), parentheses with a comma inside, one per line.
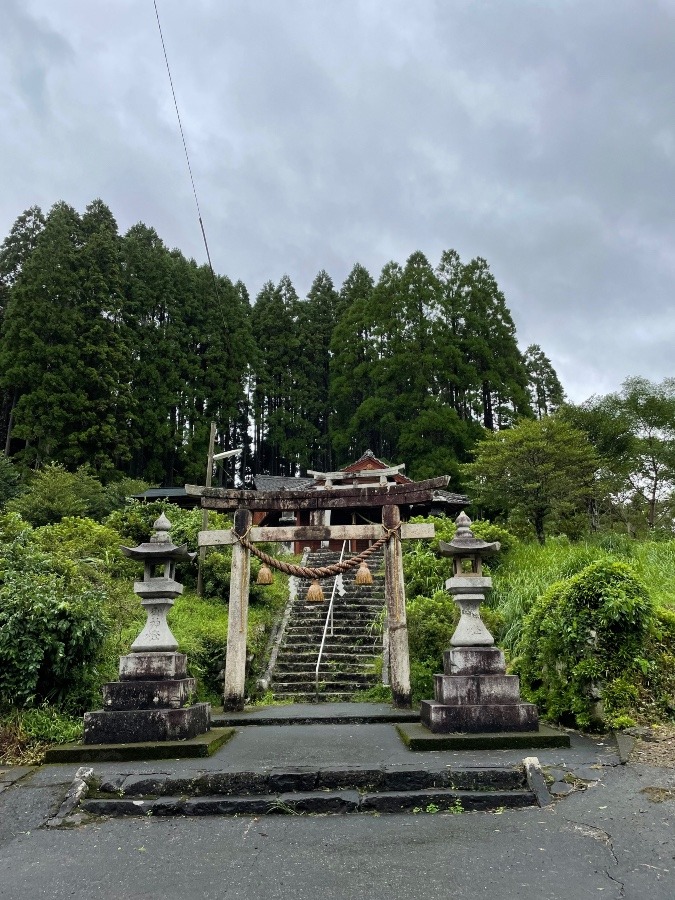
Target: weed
(279,806)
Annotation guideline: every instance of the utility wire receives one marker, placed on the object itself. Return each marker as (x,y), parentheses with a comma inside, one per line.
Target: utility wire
(187,156)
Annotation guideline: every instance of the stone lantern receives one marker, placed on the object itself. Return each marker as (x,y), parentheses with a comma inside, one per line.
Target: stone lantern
(474,693)
(148,703)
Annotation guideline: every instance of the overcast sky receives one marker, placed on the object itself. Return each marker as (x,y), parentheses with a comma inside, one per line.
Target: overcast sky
(539,135)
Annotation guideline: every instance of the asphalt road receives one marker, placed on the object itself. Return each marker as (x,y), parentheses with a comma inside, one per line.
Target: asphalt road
(614,840)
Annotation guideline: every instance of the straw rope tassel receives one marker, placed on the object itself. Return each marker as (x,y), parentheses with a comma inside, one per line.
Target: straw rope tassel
(314,593)
(363,575)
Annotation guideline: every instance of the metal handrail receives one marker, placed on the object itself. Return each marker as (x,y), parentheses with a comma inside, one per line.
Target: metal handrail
(329,620)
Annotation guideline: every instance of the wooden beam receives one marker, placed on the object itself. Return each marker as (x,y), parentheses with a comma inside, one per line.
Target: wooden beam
(360,473)
(414,531)
(394,593)
(237,622)
(339,498)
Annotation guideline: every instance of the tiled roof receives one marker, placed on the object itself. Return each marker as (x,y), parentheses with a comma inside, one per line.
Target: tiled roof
(367,461)
(451,499)
(281,483)
(158,493)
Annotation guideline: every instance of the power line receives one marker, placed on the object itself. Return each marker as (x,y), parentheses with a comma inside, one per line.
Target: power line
(187,155)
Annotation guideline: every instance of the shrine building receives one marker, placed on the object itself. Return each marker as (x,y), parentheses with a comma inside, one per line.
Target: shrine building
(366,472)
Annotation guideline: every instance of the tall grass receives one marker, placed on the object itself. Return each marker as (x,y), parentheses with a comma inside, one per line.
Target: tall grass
(530,569)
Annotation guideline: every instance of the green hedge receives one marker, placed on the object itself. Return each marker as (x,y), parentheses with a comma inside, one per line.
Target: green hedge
(582,650)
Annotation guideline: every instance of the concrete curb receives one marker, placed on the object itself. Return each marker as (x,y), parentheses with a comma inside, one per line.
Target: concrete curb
(536,781)
(624,744)
(77,792)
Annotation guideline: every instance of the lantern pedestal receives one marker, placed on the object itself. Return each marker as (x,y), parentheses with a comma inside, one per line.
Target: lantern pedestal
(482,699)
(150,702)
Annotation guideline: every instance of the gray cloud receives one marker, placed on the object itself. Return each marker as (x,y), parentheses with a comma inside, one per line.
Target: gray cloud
(540,136)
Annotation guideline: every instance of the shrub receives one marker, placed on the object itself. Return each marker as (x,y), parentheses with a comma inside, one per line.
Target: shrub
(582,640)
(134,520)
(53,493)
(51,630)
(86,542)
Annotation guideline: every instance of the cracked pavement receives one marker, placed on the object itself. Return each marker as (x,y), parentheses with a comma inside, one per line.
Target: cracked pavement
(611,836)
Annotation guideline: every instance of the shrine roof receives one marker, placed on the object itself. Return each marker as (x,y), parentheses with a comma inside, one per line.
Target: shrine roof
(370,462)
(282,483)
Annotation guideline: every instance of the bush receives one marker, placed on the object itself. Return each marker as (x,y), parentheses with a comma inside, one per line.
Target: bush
(134,520)
(51,630)
(582,641)
(53,493)
(88,543)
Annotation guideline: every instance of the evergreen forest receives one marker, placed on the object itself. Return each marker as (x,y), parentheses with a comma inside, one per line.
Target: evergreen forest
(116,353)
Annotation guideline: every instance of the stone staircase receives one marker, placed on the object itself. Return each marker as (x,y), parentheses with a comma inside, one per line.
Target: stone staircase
(337,789)
(347,663)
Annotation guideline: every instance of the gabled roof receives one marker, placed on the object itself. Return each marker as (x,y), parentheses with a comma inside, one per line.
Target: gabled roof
(367,461)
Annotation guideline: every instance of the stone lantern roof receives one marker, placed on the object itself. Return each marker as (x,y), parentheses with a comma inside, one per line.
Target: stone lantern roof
(160,546)
(465,543)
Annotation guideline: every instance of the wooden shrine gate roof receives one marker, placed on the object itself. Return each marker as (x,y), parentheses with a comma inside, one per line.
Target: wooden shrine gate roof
(411,494)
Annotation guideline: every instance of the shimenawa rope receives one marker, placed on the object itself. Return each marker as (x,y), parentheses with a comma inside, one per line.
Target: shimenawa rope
(323,571)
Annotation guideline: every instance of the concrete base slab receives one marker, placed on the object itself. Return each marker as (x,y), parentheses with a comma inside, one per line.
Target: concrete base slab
(417,737)
(203,745)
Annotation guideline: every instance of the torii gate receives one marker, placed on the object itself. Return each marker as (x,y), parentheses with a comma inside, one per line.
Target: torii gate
(389,496)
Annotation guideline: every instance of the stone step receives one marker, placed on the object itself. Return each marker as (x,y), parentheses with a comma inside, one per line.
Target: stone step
(385,789)
(347,664)
(283,676)
(335,644)
(292,803)
(346,687)
(338,628)
(308,661)
(310,696)
(319,613)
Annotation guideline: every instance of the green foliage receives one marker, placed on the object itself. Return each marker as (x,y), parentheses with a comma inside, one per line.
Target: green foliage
(421,361)
(546,391)
(26,733)
(53,493)
(9,480)
(46,723)
(539,474)
(51,629)
(431,623)
(200,627)
(134,520)
(83,540)
(580,637)
(633,433)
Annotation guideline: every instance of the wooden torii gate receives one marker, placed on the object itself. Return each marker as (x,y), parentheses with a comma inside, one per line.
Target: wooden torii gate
(390,497)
